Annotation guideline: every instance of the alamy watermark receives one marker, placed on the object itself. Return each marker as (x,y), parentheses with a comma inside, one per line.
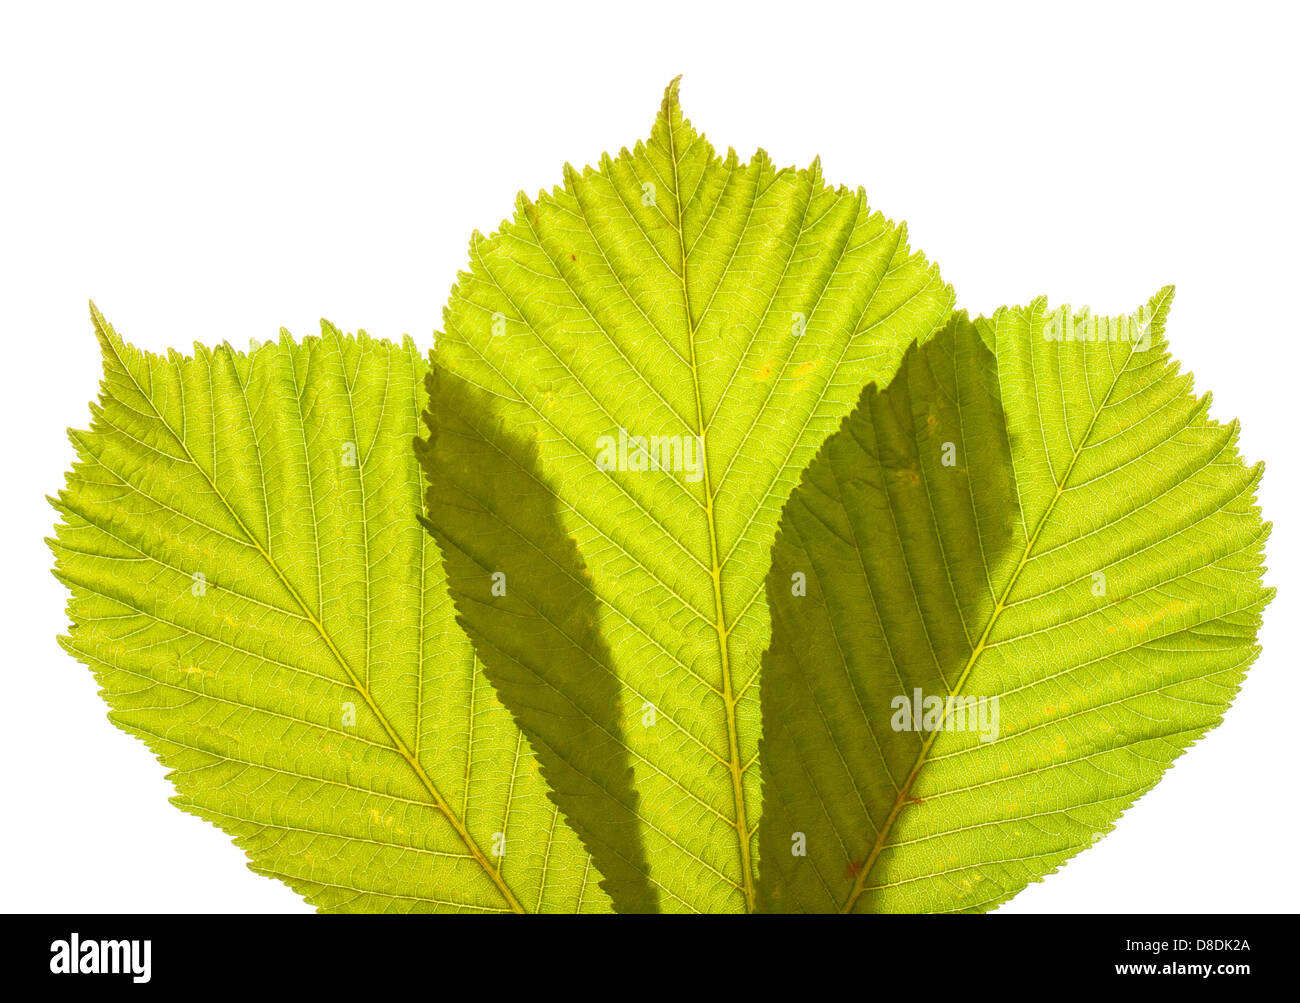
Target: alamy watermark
(946,713)
(1063,325)
(75,956)
(682,454)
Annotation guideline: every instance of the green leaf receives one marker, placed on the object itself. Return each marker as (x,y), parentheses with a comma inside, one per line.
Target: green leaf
(254,593)
(1082,574)
(729,314)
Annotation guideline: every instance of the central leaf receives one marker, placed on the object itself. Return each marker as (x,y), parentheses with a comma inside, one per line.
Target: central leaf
(632,375)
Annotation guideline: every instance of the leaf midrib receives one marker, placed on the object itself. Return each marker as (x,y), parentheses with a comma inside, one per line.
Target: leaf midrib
(729,699)
(437,799)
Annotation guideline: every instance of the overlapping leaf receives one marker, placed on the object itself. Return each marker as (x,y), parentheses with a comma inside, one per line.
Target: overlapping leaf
(1014,585)
(254,593)
(633,373)
(1037,526)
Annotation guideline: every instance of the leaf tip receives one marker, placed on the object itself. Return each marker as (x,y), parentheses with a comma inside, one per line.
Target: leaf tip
(109,340)
(670,110)
(1160,304)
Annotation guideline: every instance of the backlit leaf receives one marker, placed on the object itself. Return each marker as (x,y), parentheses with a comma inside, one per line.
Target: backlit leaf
(710,321)
(1037,535)
(253,591)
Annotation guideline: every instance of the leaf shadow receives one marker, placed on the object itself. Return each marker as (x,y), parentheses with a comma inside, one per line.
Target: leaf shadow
(522,593)
(904,525)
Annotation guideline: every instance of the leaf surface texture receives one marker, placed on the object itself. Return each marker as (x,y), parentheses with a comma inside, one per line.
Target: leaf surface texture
(1090,557)
(686,298)
(255,595)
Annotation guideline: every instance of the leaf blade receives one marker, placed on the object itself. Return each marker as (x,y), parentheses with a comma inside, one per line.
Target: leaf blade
(1106,449)
(682,297)
(248,577)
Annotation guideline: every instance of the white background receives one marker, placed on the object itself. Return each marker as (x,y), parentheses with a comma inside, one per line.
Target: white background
(209,176)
